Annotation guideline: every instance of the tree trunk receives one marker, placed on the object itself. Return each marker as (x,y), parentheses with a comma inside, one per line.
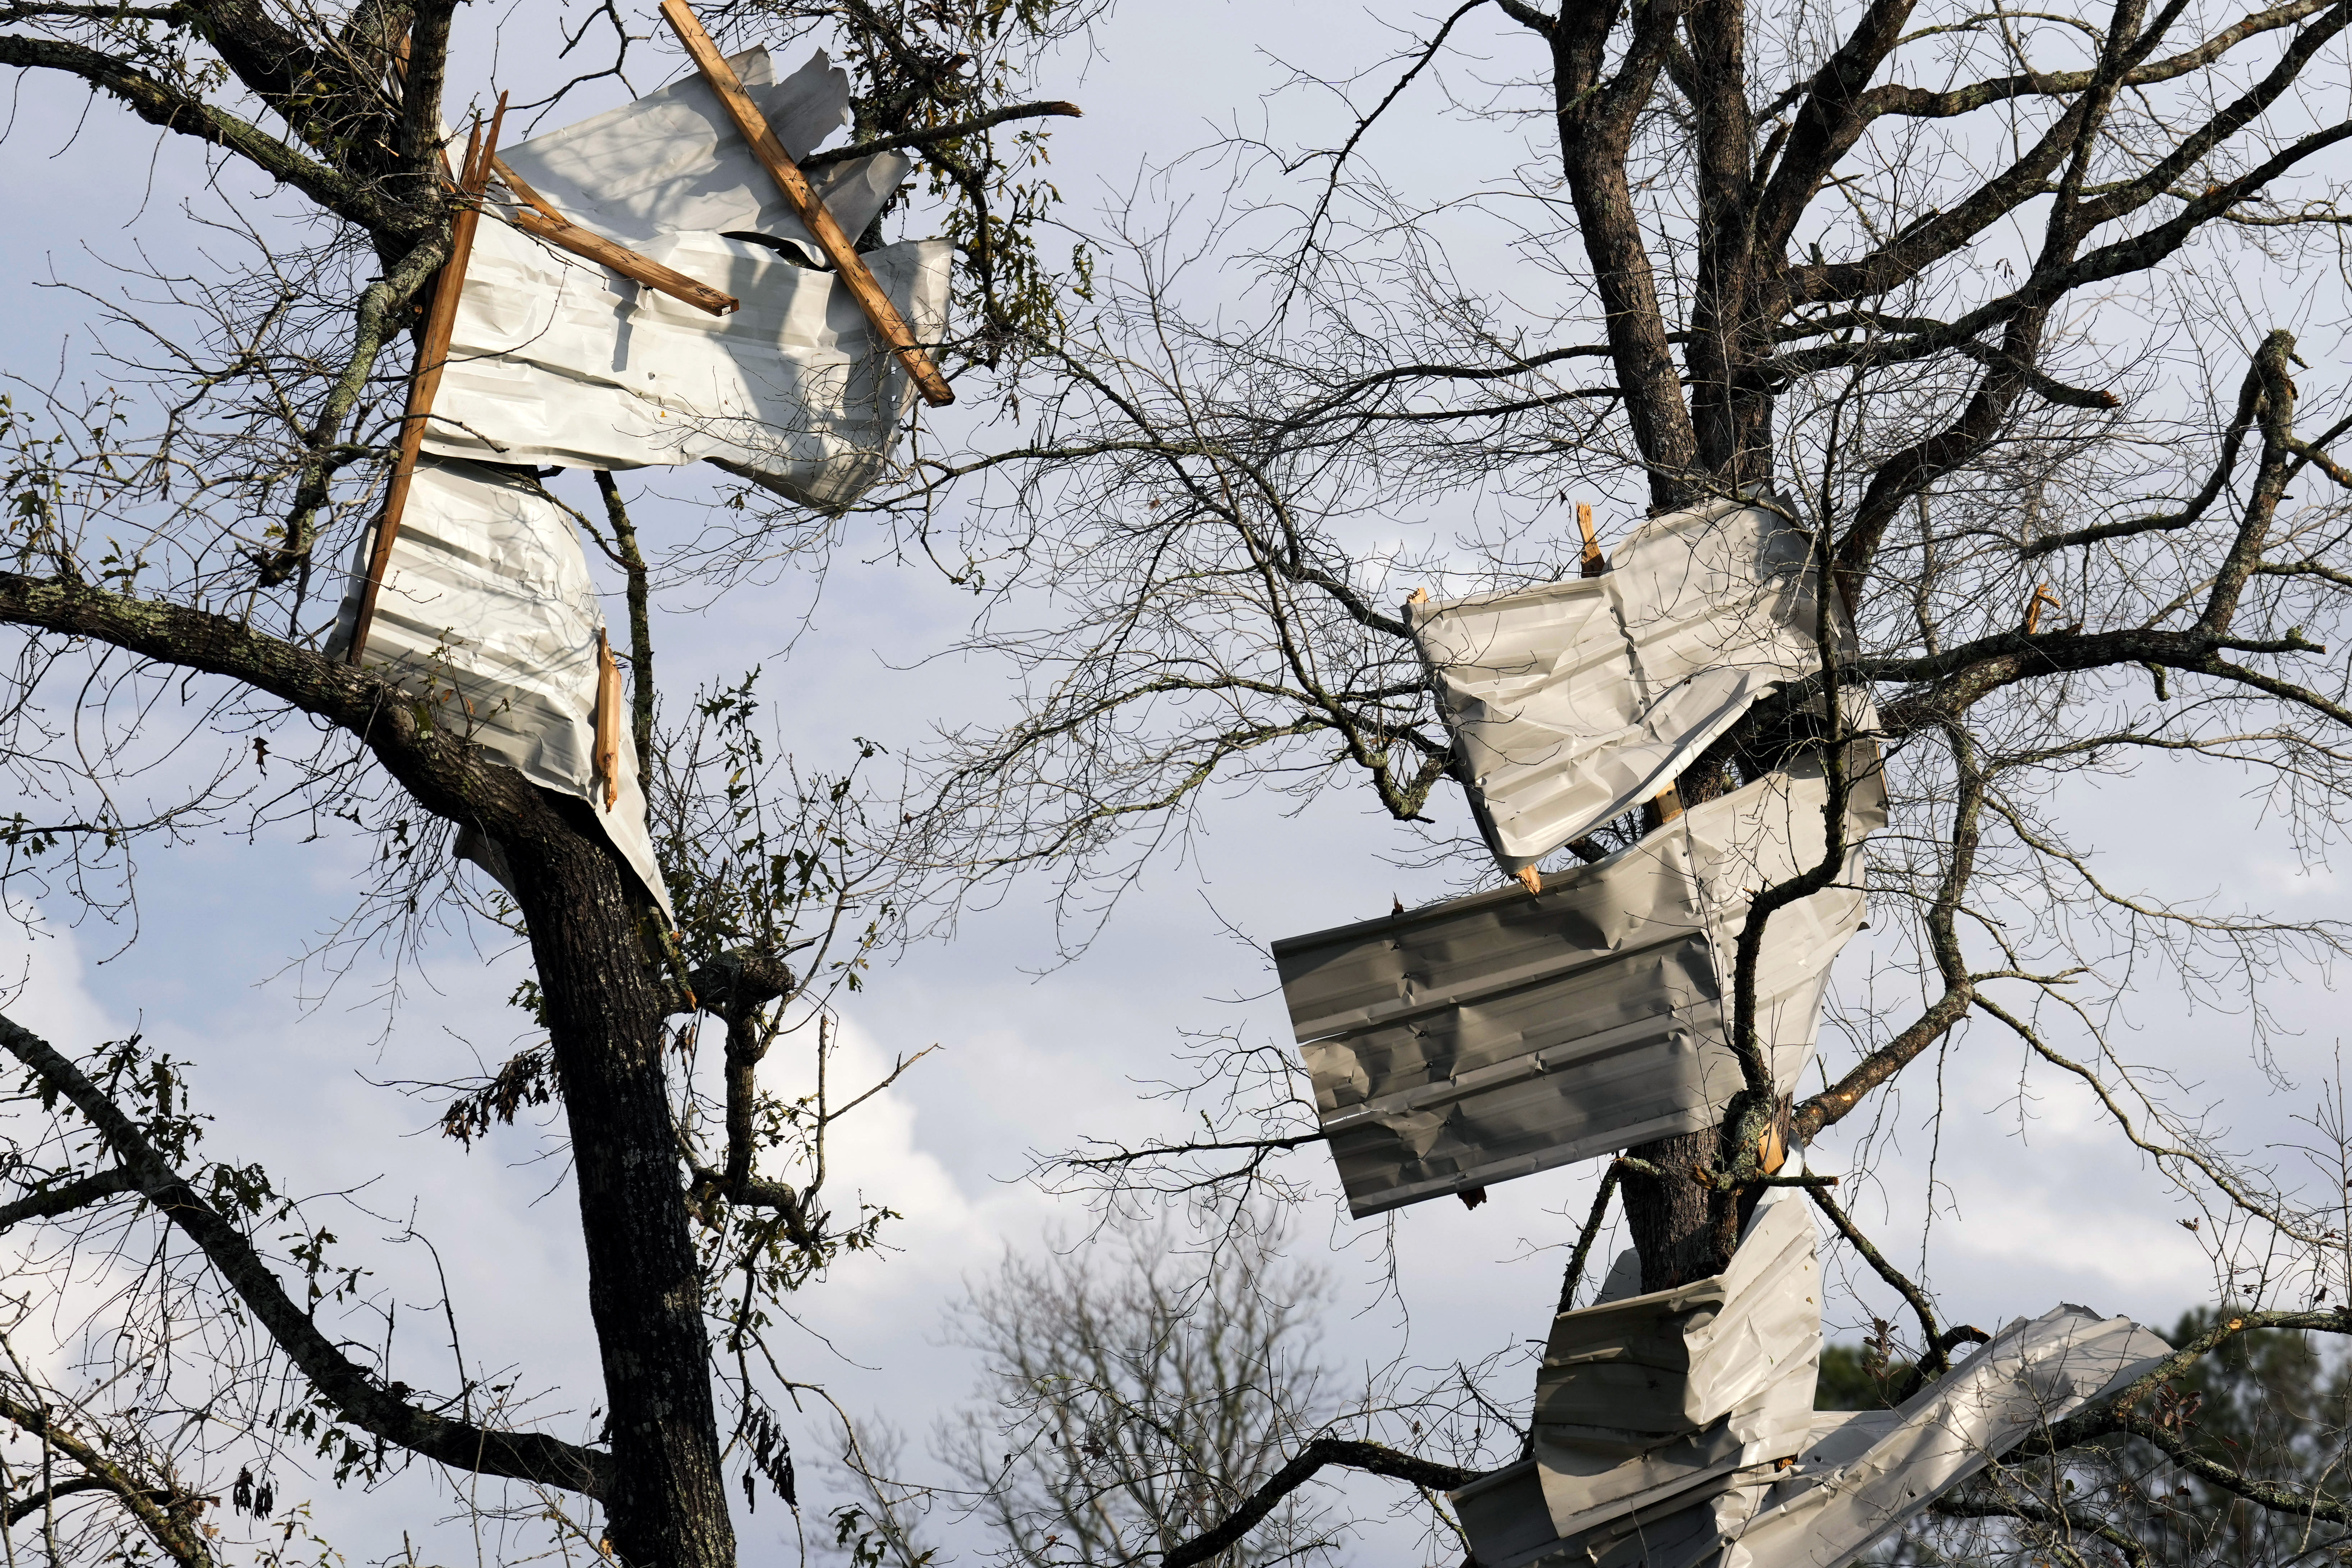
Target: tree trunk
(1670,1221)
(604,1012)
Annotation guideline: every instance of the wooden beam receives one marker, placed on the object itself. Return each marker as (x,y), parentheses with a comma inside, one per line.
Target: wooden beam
(856,275)
(537,217)
(431,355)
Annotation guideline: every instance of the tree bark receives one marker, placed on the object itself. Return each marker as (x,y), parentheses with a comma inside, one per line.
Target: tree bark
(605,1010)
(1668,1216)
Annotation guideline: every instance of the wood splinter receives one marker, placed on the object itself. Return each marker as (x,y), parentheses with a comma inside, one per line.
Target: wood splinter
(538,218)
(2042,596)
(607,760)
(1593,564)
(856,275)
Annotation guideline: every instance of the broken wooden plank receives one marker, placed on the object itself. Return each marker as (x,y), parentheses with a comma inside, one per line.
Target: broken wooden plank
(431,355)
(889,325)
(538,218)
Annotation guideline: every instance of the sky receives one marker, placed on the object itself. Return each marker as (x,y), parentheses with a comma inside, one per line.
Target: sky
(2037,1200)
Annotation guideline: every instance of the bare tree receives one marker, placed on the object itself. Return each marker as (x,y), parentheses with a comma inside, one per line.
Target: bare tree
(1153,1393)
(168,590)
(1985,302)
(1130,1401)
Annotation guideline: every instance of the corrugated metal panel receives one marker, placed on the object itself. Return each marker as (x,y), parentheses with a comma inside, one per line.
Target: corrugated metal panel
(555,360)
(1505,1034)
(672,162)
(1856,1488)
(558,361)
(1633,1372)
(1645,1397)
(1857,1476)
(488,615)
(1574,703)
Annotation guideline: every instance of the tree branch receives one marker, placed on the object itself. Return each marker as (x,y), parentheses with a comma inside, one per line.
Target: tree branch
(68,1196)
(158,1511)
(159,104)
(1374,1458)
(949,133)
(355,1393)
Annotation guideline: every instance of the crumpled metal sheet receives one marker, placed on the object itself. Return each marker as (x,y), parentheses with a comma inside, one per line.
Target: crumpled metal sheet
(1863,1483)
(1500,1035)
(1635,1371)
(1643,1396)
(488,616)
(672,162)
(1574,703)
(1858,1475)
(555,360)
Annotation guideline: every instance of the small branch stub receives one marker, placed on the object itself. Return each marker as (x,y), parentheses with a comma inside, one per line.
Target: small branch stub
(2042,596)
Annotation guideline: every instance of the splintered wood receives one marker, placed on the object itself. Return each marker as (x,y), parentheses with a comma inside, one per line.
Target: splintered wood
(608,718)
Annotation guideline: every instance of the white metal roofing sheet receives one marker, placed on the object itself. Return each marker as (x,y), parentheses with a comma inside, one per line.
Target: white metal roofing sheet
(1504,1034)
(554,359)
(1575,701)
(487,613)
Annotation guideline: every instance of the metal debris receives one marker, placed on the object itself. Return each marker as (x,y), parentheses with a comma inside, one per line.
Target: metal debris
(1857,1476)
(1643,1396)
(1574,703)
(557,360)
(488,620)
(1499,1035)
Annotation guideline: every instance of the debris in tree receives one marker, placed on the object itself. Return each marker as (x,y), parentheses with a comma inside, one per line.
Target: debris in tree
(1643,1396)
(1574,703)
(541,221)
(1493,1037)
(1855,1475)
(752,123)
(488,620)
(561,361)
(563,364)
(432,361)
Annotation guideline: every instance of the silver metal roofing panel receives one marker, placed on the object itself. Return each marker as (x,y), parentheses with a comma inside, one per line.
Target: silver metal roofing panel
(1504,1516)
(554,359)
(1504,1034)
(673,161)
(1632,1372)
(1574,703)
(1835,1501)
(488,613)
(1858,1475)
(1644,1397)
